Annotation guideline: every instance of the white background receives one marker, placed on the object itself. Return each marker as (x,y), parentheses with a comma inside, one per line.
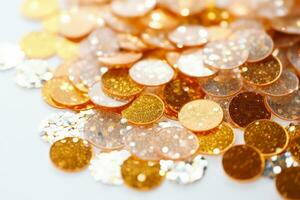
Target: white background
(26,172)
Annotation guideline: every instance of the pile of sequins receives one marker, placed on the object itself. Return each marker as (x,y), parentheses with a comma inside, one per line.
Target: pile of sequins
(153,85)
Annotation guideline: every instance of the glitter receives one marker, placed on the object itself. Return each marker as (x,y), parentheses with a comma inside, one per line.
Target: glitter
(141,175)
(200,115)
(71,154)
(243,162)
(267,136)
(33,73)
(132,8)
(247,107)
(119,58)
(146,109)
(184,172)
(106,167)
(216,141)
(151,72)
(294,148)
(10,56)
(287,183)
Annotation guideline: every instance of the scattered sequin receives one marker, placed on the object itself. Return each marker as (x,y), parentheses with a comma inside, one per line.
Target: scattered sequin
(157,39)
(37,9)
(183,7)
(10,56)
(287,24)
(288,184)
(132,8)
(120,58)
(294,148)
(131,42)
(66,49)
(293,55)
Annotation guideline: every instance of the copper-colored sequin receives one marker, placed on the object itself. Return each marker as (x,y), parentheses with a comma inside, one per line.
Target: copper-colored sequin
(243,162)
(288,24)
(247,107)
(293,55)
(294,148)
(180,91)
(267,136)
(217,140)
(288,183)
(119,58)
(141,175)
(46,94)
(117,83)
(71,154)
(263,72)
(146,109)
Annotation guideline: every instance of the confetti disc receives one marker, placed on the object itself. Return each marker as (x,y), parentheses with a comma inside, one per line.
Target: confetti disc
(287,24)
(183,7)
(105,130)
(66,49)
(145,109)
(286,107)
(191,63)
(247,107)
(131,42)
(157,39)
(287,183)
(243,162)
(224,103)
(63,92)
(132,8)
(191,35)
(226,54)
(216,33)
(119,58)
(71,154)
(141,175)
(294,148)
(37,9)
(293,55)
(267,136)
(181,91)
(39,45)
(151,72)
(176,143)
(46,95)
(10,56)
(246,23)
(200,115)
(272,9)
(118,83)
(51,23)
(282,40)
(217,140)
(263,72)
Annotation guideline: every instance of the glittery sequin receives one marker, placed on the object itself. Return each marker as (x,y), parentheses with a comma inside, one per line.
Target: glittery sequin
(288,184)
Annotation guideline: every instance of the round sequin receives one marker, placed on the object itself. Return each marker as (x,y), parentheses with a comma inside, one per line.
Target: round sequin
(216,33)
(263,72)
(288,184)
(176,143)
(184,172)
(145,109)
(192,35)
(243,162)
(273,9)
(226,54)
(118,83)
(217,140)
(39,45)
(282,40)
(247,107)
(131,42)
(181,91)
(200,115)
(66,49)
(287,24)
(286,107)
(37,9)
(294,148)
(132,8)
(157,39)
(105,130)
(183,7)
(191,64)
(46,95)
(99,98)
(119,58)
(151,72)
(71,154)
(51,23)
(10,56)
(267,136)
(141,175)
(224,103)
(293,130)
(246,23)
(293,55)
(63,92)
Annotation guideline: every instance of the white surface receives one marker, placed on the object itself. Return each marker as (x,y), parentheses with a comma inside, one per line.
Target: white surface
(27,174)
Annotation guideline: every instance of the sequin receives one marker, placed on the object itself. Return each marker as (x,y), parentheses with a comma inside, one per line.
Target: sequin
(293,55)
(287,24)
(120,58)
(71,154)
(200,115)
(10,56)
(39,45)
(293,130)
(216,33)
(184,172)
(282,40)
(288,184)
(51,23)
(105,130)
(217,140)
(226,54)
(46,95)
(66,49)
(273,8)
(106,167)
(263,72)
(294,148)
(131,42)
(243,162)
(141,175)
(146,109)
(267,136)
(224,103)
(245,23)
(247,107)
(151,72)
(183,7)
(132,8)
(118,83)
(37,9)
(157,39)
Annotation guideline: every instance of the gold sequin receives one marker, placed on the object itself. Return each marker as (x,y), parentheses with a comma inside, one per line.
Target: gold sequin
(37,9)
(46,94)
(117,83)
(267,136)
(71,154)
(293,130)
(66,49)
(288,184)
(39,44)
(141,175)
(216,141)
(294,148)
(146,109)
(263,72)
(51,23)
(243,162)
